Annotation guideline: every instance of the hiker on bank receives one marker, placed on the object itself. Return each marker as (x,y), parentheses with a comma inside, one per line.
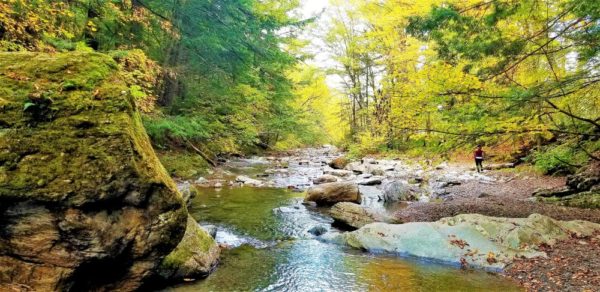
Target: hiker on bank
(479,155)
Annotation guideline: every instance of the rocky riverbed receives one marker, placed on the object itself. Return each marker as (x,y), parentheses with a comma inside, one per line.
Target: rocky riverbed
(375,195)
(410,191)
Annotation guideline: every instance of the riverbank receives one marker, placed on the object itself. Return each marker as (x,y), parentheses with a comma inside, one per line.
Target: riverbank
(570,265)
(436,191)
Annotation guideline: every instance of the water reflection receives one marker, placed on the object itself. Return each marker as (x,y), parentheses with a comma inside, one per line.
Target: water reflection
(276,253)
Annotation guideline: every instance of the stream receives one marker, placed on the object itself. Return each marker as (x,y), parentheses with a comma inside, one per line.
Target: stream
(271,248)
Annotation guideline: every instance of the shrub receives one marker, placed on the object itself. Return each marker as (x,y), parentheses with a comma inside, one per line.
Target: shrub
(559,159)
(163,129)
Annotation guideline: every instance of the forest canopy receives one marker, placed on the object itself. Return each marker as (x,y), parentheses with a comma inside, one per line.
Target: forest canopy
(224,74)
(448,74)
(413,76)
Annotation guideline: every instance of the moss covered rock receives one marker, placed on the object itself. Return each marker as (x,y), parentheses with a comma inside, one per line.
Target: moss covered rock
(196,256)
(582,189)
(589,199)
(84,201)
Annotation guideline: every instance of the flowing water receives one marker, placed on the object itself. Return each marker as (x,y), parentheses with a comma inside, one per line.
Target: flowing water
(272,250)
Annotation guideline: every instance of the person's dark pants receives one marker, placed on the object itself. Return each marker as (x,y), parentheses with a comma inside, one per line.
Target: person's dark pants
(479,164)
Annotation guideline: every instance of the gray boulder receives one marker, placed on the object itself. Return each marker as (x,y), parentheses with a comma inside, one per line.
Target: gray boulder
(399,191)
(249,181)
(188,192)
(469,239)
(356,167)
(338,172)
(355,215)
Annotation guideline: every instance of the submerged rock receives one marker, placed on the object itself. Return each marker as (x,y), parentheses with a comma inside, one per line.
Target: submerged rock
(338,172)
(249,181)
(331,193)
(317,230)
(325,179)
(469,239)
(355,215)
(196,255)
(85,203)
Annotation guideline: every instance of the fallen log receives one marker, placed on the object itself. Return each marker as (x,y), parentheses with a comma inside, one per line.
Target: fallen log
(197,150)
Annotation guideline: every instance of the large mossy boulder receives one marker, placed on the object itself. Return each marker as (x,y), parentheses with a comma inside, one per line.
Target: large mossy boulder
(196,256)
(84,202)
(469,239)
(330,193)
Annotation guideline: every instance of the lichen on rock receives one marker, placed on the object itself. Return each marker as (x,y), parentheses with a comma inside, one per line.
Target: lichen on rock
(85,203)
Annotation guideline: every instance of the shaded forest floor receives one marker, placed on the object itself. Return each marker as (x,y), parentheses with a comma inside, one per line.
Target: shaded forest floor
(571,265)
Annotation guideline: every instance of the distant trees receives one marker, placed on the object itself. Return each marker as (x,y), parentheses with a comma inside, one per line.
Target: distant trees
(453,72)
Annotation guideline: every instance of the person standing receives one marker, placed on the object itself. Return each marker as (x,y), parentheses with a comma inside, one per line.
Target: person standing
(479,155)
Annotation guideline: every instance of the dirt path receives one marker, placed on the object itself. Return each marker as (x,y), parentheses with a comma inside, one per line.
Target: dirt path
(508,196)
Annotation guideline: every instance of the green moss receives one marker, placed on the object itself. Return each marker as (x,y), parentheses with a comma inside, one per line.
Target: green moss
(6,46)
(590,199)
(197,244)
(84,143)
(72,139)
(182,164)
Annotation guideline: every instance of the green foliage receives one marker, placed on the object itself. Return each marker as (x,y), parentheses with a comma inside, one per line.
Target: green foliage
(182,164)
(162,129)
(136,92)
(559,159)
(7,46)
(367,144)
(39,107)
(509,74)
(223,74)
(141,74)
(61,45)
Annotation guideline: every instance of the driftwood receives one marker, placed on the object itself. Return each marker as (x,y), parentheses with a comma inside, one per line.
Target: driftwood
(496,166)
(197,150)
